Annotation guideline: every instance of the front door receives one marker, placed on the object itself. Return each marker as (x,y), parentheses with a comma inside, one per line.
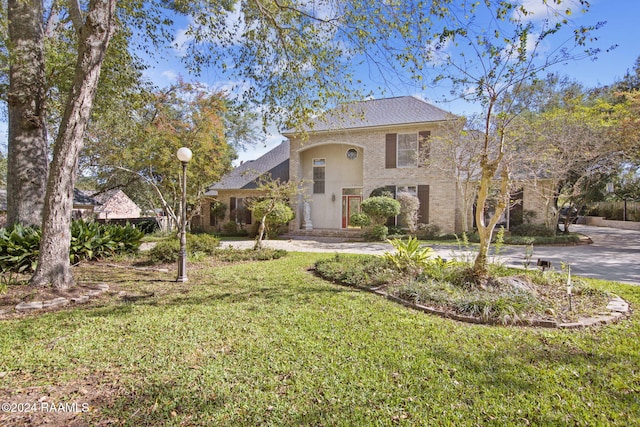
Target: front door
(350,206)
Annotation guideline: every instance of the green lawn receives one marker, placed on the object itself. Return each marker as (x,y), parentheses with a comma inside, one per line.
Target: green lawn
(267,343)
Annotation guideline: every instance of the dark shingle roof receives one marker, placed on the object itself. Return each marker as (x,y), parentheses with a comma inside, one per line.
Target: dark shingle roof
(82,198)
(244,176)
(403,110)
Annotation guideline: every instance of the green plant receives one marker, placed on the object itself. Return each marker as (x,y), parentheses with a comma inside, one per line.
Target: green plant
(92,240)
(203,243)
(380,208)
(409,256)
(165,252)
(199,246)
(377,233)
(360,219)
(19,248)
(409,210)
(427,231)
(532,230)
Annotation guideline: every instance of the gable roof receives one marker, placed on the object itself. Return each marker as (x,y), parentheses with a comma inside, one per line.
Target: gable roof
(402,110)
(80,198)
(244,176)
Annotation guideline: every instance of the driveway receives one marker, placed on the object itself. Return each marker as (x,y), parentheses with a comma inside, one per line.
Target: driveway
(614,254)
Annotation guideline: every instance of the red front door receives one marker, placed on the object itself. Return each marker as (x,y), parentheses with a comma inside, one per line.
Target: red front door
(350,206)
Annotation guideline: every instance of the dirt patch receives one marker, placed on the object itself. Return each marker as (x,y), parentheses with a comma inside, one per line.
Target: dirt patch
(74,403)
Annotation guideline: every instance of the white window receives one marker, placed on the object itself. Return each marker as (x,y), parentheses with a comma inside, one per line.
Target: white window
(407,150)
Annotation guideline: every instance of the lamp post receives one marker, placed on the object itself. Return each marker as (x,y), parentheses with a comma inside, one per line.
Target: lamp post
(184,155)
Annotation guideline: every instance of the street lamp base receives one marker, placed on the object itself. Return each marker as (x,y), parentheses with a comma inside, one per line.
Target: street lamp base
(182,269)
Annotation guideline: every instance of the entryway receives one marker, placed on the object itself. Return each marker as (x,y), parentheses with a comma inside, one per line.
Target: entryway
(351,200)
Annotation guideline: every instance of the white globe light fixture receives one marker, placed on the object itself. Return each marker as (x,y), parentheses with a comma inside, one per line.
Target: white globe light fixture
(184,155)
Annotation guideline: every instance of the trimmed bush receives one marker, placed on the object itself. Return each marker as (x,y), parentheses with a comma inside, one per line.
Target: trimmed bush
(377,233)
(380,208)
(360,219)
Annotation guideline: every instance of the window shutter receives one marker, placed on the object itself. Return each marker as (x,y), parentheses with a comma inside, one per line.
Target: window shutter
(390,151)
(394,219)
(232,205)
(247,213)
(423,197)
(424,147)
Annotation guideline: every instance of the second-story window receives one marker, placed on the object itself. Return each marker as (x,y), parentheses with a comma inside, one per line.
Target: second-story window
(319,166)
(407,150)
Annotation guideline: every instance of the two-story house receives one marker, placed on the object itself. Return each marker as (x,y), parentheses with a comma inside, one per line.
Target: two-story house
(371,144)
(350,151)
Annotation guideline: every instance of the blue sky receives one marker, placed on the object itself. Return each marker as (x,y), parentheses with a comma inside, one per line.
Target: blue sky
(622,29)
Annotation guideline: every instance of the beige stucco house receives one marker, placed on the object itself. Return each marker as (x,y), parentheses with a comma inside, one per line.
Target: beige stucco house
(351,151)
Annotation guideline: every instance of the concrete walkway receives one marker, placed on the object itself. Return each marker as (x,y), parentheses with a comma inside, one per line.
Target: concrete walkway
(614,254)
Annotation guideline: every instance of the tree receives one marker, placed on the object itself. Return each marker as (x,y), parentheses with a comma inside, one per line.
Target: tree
(488,50)
(273,207)
(94,33)
(185,114)
(459,148)
(409,210)
(573,137)
(28,146)
(291,59)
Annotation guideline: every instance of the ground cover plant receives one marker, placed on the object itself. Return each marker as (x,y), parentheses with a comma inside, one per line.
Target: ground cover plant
(269,343)
(507,296)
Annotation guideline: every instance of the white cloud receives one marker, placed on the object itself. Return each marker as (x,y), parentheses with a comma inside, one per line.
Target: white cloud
(538,10)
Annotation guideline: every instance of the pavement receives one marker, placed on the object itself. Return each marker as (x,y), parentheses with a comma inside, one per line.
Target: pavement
(614,254)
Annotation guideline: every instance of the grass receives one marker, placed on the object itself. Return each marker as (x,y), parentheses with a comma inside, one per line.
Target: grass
(267,343)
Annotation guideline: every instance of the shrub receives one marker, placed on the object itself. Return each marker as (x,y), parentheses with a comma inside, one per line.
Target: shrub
(532,230)
(360,219)
(409,208)
(427,231)
(409,256)
(380,208)
(92,240)
(381,192)
(204,243)
(377,233)
(231,228)
(19,248)
(277,213)
(165,252)
(168,251)
(235,255)
(356,270)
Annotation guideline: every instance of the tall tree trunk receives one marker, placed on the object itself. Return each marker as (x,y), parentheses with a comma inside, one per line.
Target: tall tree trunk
(94,34)
(485,229)
(27,160)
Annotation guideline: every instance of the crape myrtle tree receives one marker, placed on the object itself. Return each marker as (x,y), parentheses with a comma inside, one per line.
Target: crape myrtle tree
(185,114)
(290,59)
(487,50)
(272,208)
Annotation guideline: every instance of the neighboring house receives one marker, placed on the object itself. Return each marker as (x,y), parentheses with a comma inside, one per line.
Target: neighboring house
(236,187)
(351,151)
(115,204)
(83,205)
